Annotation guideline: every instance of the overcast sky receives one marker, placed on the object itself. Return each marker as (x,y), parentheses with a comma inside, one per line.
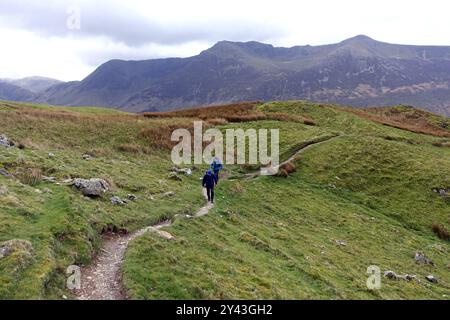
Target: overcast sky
(68,39)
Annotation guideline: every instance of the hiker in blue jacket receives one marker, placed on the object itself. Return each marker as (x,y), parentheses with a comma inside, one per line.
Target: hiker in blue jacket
(209,182)
(216,167)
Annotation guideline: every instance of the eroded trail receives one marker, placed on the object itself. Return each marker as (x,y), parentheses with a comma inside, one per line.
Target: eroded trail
(302,148)
(102,280)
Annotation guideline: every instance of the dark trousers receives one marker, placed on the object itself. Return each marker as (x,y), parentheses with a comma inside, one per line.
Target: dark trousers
(210,193)
(216,173)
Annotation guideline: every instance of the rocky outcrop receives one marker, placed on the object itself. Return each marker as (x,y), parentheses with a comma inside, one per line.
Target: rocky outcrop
(91,188)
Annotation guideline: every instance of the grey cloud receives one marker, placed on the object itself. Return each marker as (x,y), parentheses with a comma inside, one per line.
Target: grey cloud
(123,24)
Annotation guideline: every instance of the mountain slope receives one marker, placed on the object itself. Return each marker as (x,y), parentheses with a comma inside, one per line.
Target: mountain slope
(12,92)
(359,71)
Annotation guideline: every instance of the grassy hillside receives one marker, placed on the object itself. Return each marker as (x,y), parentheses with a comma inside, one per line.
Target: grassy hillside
(62,225)
(363,198)
(371,188)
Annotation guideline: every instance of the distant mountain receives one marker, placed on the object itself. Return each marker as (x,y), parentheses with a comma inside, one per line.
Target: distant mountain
(10,91)
(359,71)
(33,84)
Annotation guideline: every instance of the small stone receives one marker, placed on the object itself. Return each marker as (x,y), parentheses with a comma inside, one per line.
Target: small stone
(6,142)
(421,258)
(131,197)
(408,277)
(431,279)
(86,156)
(340,243)
(117,201)
(49,179)
(391,275)
(5,173)
(51,155)
(64,297)
(175,176)
(169,194)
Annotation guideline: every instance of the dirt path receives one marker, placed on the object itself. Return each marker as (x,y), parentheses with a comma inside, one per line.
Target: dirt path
(300,150)
(102,279)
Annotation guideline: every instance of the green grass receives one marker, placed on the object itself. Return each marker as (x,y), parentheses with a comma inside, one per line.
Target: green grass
(63,226)
(267,237)
(277,238)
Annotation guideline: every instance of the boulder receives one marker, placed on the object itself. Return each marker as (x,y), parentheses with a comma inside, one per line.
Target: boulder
(5,141)
(91,188)
(421,258)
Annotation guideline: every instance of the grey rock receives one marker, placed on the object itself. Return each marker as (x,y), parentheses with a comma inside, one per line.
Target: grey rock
(185,171)
(443,192)
(175,176)
(117,201)
(391,275)
(91,188)
(407,277)
(340,243)
(5,251)
(431,279)
(169,194)
(49,179)
(421,258)
(51,155)
(6,142)
(87,156)
(132,197)
(5,173)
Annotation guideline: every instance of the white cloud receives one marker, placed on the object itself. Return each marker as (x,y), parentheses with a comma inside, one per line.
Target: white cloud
(36,40)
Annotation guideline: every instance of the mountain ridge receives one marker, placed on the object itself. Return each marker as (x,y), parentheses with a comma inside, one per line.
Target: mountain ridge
(359,72)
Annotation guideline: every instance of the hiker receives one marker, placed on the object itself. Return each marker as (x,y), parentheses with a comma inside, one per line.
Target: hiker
(209,182)
(216,167)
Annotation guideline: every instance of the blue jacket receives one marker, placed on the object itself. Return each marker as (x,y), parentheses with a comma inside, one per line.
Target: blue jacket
(209,180)
(216,166)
